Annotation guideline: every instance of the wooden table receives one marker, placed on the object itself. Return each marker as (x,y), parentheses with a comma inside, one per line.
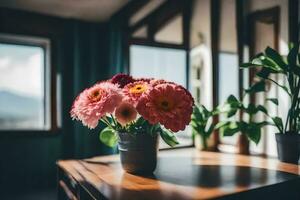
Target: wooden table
(181,174)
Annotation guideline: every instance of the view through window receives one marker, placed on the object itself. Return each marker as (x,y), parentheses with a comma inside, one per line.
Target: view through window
(161,63)
(23,98)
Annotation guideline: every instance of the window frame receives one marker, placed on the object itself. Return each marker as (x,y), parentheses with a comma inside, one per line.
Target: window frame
(51,123)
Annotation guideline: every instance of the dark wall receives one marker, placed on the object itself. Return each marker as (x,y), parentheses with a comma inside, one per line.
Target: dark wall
(80,55)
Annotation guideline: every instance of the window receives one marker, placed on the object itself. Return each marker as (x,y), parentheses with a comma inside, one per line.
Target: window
(163,63)
(24,83)
(228,84)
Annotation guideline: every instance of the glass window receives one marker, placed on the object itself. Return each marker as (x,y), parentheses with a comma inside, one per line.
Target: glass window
(163,63)
(228,84)
(23,84)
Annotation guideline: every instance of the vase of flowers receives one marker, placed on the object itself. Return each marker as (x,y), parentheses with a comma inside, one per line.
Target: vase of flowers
(135,112)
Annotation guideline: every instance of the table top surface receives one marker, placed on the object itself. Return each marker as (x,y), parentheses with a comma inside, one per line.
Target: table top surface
(181,174)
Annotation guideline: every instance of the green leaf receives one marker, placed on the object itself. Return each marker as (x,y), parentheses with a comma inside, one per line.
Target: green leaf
(210,130)
(257,62)
(264,73)
(269,63)
(230,129)
(140,121)
(273,100)
(276,57)
(292,56)
(281,86)
(232,112)
(222,124)
(262,109)
(204,111)
(232,99)
(108,137)
(263,123)
(251,109)
(249,65)
(278,123)
(168,137)
(253,132)
(154,129)
(197,115)
(256,87)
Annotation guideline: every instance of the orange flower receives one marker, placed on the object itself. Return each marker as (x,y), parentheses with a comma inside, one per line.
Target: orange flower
(133,91)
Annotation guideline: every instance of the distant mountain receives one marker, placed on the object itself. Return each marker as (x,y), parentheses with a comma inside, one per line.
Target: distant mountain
(18,106)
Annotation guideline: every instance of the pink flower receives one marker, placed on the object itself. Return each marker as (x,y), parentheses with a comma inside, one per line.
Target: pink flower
(125,113)
(168,104)
(121,80)
(95,102)
(133,91)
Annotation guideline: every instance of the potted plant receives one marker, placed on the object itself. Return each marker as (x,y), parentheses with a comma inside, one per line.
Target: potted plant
(270,62)
(248,126)
(135,112)
(203,126)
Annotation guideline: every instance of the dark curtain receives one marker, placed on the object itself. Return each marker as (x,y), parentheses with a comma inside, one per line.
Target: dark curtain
(90,62)
(118,59)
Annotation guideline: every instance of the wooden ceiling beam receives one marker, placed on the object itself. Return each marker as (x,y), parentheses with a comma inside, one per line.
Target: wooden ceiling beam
(131,8)
(160,16)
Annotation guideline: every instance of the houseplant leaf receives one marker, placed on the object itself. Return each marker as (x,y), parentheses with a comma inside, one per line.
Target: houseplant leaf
(278,123)
(230,129)
(251,109)
(262,109)
(169,137)
(253,132)
(256,87)
(264,73)
(276,57)
(273,100)
(292,56)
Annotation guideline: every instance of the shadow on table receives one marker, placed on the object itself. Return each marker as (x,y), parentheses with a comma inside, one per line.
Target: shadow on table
(182,171)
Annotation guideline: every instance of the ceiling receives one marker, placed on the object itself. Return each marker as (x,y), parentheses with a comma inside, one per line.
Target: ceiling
(88,10)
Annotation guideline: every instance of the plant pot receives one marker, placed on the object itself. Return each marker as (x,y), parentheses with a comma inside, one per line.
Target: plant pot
(199,144)
(243,145)
(138,153)
(288,147)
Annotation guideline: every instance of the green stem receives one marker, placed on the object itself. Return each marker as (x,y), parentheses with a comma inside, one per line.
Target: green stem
(105,120)
(113,119)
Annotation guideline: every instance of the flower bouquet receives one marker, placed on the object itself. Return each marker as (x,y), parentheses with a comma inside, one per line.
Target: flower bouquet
(135,112)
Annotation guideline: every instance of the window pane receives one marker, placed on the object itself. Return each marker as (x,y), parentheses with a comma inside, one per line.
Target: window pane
(228,83)
(21,87)
(161,63)
(169,64)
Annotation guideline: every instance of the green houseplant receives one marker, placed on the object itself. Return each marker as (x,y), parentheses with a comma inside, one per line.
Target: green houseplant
(248,126)
(202,119)
(270,62)
(202,124)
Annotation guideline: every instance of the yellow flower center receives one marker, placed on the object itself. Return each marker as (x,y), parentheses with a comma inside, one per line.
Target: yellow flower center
(96,95)
(138,88)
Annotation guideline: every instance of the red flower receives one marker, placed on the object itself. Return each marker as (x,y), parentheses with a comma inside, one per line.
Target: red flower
(121,79)
(168,104)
